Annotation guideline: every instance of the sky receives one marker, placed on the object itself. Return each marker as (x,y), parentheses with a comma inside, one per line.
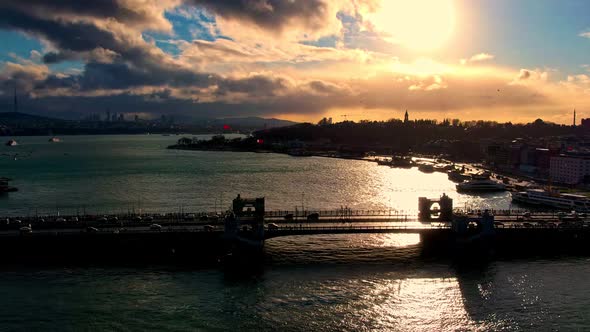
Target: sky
(500,60)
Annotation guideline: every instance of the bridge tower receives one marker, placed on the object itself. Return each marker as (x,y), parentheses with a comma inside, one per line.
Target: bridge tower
(244,226)
(445,212)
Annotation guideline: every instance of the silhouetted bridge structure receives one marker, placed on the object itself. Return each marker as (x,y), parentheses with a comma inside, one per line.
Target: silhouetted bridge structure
(248,226)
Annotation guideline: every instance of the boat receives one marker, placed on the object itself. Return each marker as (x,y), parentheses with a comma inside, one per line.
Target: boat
(401,162)
(11,143)
(552,199)
(426,168)
(480,185)
(443,168)
(457,176)
(54,140)
(4,187)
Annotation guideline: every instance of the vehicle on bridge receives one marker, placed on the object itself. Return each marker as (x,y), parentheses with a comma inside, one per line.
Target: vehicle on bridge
(155,227)
(272,227)
(26,229)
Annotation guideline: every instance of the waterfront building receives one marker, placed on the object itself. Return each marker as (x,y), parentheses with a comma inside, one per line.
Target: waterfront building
(569,168)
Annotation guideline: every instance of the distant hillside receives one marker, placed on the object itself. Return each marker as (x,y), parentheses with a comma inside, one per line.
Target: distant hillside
(253,123)
(23,120)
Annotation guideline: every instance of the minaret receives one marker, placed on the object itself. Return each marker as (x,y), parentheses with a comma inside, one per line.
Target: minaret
(406,118)
(15,100)
(574,117)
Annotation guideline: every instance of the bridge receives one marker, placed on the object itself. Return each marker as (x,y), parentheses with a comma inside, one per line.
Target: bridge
(247,226)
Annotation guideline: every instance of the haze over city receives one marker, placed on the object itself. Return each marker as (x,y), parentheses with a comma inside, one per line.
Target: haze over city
(298,60)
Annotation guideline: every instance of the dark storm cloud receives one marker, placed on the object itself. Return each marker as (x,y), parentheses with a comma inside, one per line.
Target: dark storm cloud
(73,36)
(95,8)
(261,85)
(269,14)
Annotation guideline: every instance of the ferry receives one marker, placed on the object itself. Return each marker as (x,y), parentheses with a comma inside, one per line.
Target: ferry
(12,143)
(480,185)
(54,140)
(553,199)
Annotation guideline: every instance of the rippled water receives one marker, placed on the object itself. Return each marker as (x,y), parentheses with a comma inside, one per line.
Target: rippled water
(316,283)
(308,283)
(123,173)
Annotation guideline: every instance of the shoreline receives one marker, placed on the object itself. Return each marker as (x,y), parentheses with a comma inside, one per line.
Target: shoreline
(515,178)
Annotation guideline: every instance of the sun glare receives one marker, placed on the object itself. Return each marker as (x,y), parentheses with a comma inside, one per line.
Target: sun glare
(417,24)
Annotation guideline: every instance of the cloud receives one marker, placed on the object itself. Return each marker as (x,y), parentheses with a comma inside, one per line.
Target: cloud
(585,34)
(266,57)
(477,58)
(275,16)
(528,76)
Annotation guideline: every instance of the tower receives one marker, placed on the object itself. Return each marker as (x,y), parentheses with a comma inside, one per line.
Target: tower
(406,117)
(574,117)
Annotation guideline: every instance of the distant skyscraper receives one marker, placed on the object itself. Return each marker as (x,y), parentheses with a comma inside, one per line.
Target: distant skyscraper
(406,117)
(574,117)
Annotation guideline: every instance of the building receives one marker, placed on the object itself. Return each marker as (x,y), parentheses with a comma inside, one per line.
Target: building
(569,168)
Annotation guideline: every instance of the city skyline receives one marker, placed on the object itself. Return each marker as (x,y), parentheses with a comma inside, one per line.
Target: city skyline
(301,61)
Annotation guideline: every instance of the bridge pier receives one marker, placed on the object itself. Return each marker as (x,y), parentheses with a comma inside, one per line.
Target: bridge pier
(244,225)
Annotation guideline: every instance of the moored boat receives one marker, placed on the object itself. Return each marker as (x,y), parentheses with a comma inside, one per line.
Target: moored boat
(480,185)
(54,140)
(426,168)
(457,176)
(11,143)
(552,199)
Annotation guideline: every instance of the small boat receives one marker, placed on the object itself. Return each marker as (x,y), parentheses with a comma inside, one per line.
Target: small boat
(426,168)
(11,143)
(54,140)
(401,162)
(480,185)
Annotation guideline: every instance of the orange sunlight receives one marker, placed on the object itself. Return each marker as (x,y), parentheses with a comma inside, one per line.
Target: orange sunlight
(421,25)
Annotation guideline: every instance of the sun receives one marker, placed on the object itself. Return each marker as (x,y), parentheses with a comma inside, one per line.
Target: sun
(422,25)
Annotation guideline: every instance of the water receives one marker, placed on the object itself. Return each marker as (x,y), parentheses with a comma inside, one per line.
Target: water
(101,174)
(310,283)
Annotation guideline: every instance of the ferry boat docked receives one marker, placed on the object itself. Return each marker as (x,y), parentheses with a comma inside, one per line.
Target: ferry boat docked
(480,185)
(553,199)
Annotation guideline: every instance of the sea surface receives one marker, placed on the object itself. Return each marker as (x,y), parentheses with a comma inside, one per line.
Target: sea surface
(102,174)
(356,282)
